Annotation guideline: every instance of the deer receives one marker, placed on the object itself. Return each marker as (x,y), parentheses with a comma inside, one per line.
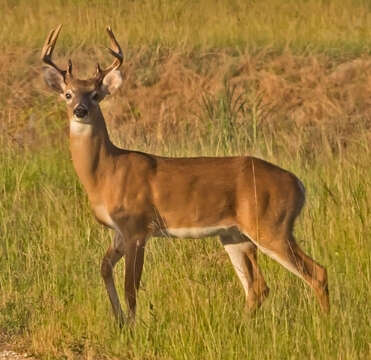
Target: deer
(248,202)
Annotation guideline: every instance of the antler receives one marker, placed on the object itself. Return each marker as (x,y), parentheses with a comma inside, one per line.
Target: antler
(116,52)
(47,52)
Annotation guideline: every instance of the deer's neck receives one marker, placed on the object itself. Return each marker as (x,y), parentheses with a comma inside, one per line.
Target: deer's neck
(92,152)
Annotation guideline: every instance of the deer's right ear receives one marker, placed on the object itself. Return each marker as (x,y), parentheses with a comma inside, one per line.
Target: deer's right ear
(111,82)
(54,79)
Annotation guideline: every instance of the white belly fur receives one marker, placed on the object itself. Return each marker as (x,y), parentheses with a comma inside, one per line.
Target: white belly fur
(197,232)
(193,232)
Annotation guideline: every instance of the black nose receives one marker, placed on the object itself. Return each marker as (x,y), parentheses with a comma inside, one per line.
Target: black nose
(80,111)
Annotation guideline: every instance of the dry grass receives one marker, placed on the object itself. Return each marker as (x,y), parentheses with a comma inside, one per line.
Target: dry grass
(165,92)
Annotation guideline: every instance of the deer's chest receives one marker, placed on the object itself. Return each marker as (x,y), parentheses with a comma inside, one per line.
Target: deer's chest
(103,216)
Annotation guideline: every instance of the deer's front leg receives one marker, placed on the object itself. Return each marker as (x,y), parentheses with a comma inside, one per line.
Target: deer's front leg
(134,252)
(110,259)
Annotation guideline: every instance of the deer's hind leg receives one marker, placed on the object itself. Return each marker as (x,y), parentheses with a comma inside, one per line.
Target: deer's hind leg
(278,242)
(271,229)
(243,255)
(286,252)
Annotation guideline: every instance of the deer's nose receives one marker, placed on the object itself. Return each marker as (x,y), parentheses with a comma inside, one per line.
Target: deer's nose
(80,111)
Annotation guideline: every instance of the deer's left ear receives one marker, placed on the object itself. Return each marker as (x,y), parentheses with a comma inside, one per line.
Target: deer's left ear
(111,82)
(54,79)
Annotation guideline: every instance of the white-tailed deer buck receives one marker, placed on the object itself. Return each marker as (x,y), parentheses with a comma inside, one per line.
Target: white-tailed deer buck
(248,202)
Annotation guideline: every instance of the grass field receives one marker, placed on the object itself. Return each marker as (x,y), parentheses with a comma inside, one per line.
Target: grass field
(286,81)
(334,26)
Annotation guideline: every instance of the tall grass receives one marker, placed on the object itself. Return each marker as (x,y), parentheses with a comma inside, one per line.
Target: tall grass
(191,304)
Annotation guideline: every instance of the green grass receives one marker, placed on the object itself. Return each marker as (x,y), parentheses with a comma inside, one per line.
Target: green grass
(330,26)
(191,304)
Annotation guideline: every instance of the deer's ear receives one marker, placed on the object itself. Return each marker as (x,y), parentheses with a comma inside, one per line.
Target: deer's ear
(54,79)
(111,82)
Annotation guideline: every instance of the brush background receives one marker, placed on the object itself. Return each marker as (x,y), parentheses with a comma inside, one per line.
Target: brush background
(289,81)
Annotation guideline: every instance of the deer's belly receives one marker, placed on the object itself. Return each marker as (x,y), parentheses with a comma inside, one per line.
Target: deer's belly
(199,232)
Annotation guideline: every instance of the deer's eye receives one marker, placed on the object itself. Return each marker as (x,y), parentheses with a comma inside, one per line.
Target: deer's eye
(68,96)
(95,96)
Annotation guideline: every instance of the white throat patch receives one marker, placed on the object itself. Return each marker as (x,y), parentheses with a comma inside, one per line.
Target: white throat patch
(80,126)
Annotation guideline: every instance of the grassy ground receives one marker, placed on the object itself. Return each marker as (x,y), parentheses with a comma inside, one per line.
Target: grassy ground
(191,304)
(287,81)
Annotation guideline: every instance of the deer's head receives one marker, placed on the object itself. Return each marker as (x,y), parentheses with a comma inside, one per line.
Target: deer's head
(82,97)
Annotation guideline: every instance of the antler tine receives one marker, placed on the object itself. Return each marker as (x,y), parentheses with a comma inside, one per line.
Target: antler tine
(116,52)
(48,48)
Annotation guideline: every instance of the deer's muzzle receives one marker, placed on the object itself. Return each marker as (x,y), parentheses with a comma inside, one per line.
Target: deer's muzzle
(80,111)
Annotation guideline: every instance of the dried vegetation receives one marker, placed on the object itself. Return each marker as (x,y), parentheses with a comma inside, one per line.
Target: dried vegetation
(166,92)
